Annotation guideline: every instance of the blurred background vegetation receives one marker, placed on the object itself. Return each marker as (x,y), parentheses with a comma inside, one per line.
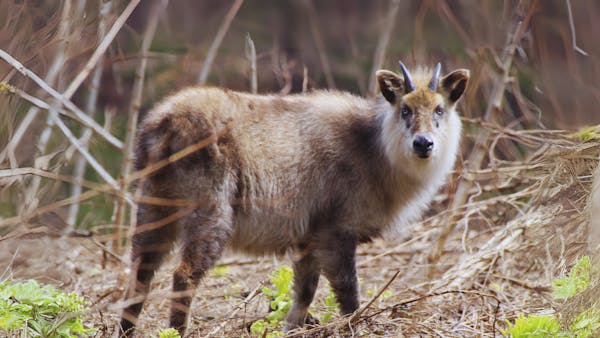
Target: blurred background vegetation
(327,44)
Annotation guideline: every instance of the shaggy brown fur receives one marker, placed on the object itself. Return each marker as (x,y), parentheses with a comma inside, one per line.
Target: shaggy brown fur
(315,174)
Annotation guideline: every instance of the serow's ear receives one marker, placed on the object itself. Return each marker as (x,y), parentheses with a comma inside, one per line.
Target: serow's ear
(455,83)
(390,84)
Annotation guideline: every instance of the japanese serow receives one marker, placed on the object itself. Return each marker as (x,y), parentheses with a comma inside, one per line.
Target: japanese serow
(312,174)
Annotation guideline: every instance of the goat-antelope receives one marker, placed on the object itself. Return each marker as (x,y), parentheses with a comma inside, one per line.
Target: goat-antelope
(313,174)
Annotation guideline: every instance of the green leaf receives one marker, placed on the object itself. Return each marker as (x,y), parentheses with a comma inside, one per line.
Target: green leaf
(282,279)
(258,327)
(577,281)
(586,323)
(533,327)
(587,133)
(280,302)
(219,271)
(31,309)
(168,333)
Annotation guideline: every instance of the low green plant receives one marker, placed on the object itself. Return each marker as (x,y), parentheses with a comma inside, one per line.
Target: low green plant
(168,333)
(576,281)
(583,326)
(533,327)
(586,323)
(280,300)
(331,306)
(30,309)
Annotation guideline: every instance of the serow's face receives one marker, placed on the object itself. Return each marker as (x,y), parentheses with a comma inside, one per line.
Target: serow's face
(422,106)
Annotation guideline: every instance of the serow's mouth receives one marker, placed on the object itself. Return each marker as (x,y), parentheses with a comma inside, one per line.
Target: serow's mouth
(423,153)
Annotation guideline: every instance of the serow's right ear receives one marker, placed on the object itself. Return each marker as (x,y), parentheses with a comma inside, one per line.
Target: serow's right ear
(390,84)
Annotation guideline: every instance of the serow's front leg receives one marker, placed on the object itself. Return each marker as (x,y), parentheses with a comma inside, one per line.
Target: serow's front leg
(306,279)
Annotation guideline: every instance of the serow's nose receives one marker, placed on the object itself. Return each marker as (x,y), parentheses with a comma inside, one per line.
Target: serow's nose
(423,145)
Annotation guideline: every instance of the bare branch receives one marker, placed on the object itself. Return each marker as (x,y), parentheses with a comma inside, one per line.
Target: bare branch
(64,29)
(251,56)
(317,36)
(358,313)
(79,115)
(479,149)
(69,135)
(572,27)
(79,165)
(382,44)
(241,305)
(101,49)
(32,113)
(53,71)
(134,109)
(212,51)
(4,173)
(304,79)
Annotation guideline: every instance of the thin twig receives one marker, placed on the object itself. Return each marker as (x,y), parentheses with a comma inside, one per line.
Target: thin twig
(46,174)
(214,47)
(108,251)
(53,206)
(251,295)
(358,313)
(134,109)
(304,79)
(85,153)
(318,37)
(446,292)
(57,64)
(93,60)
(251,56)
(572,28)
(79,165)
(382,43)
(479,149)
(74,141)
(64,29)
(79,115)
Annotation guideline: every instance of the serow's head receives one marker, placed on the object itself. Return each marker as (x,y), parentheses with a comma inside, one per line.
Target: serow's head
(423,105)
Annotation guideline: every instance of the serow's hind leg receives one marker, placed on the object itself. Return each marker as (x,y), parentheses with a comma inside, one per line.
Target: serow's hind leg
(150,244)
(337,259)
(205,233)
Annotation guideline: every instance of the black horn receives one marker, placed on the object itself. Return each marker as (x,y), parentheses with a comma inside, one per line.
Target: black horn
(435,78)
(409,86)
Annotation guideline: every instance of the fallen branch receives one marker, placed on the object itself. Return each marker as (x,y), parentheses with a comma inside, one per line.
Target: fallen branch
(358,313)
(245,302)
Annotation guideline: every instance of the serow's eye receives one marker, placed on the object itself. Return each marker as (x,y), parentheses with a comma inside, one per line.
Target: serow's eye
(405,112)
(439,111)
